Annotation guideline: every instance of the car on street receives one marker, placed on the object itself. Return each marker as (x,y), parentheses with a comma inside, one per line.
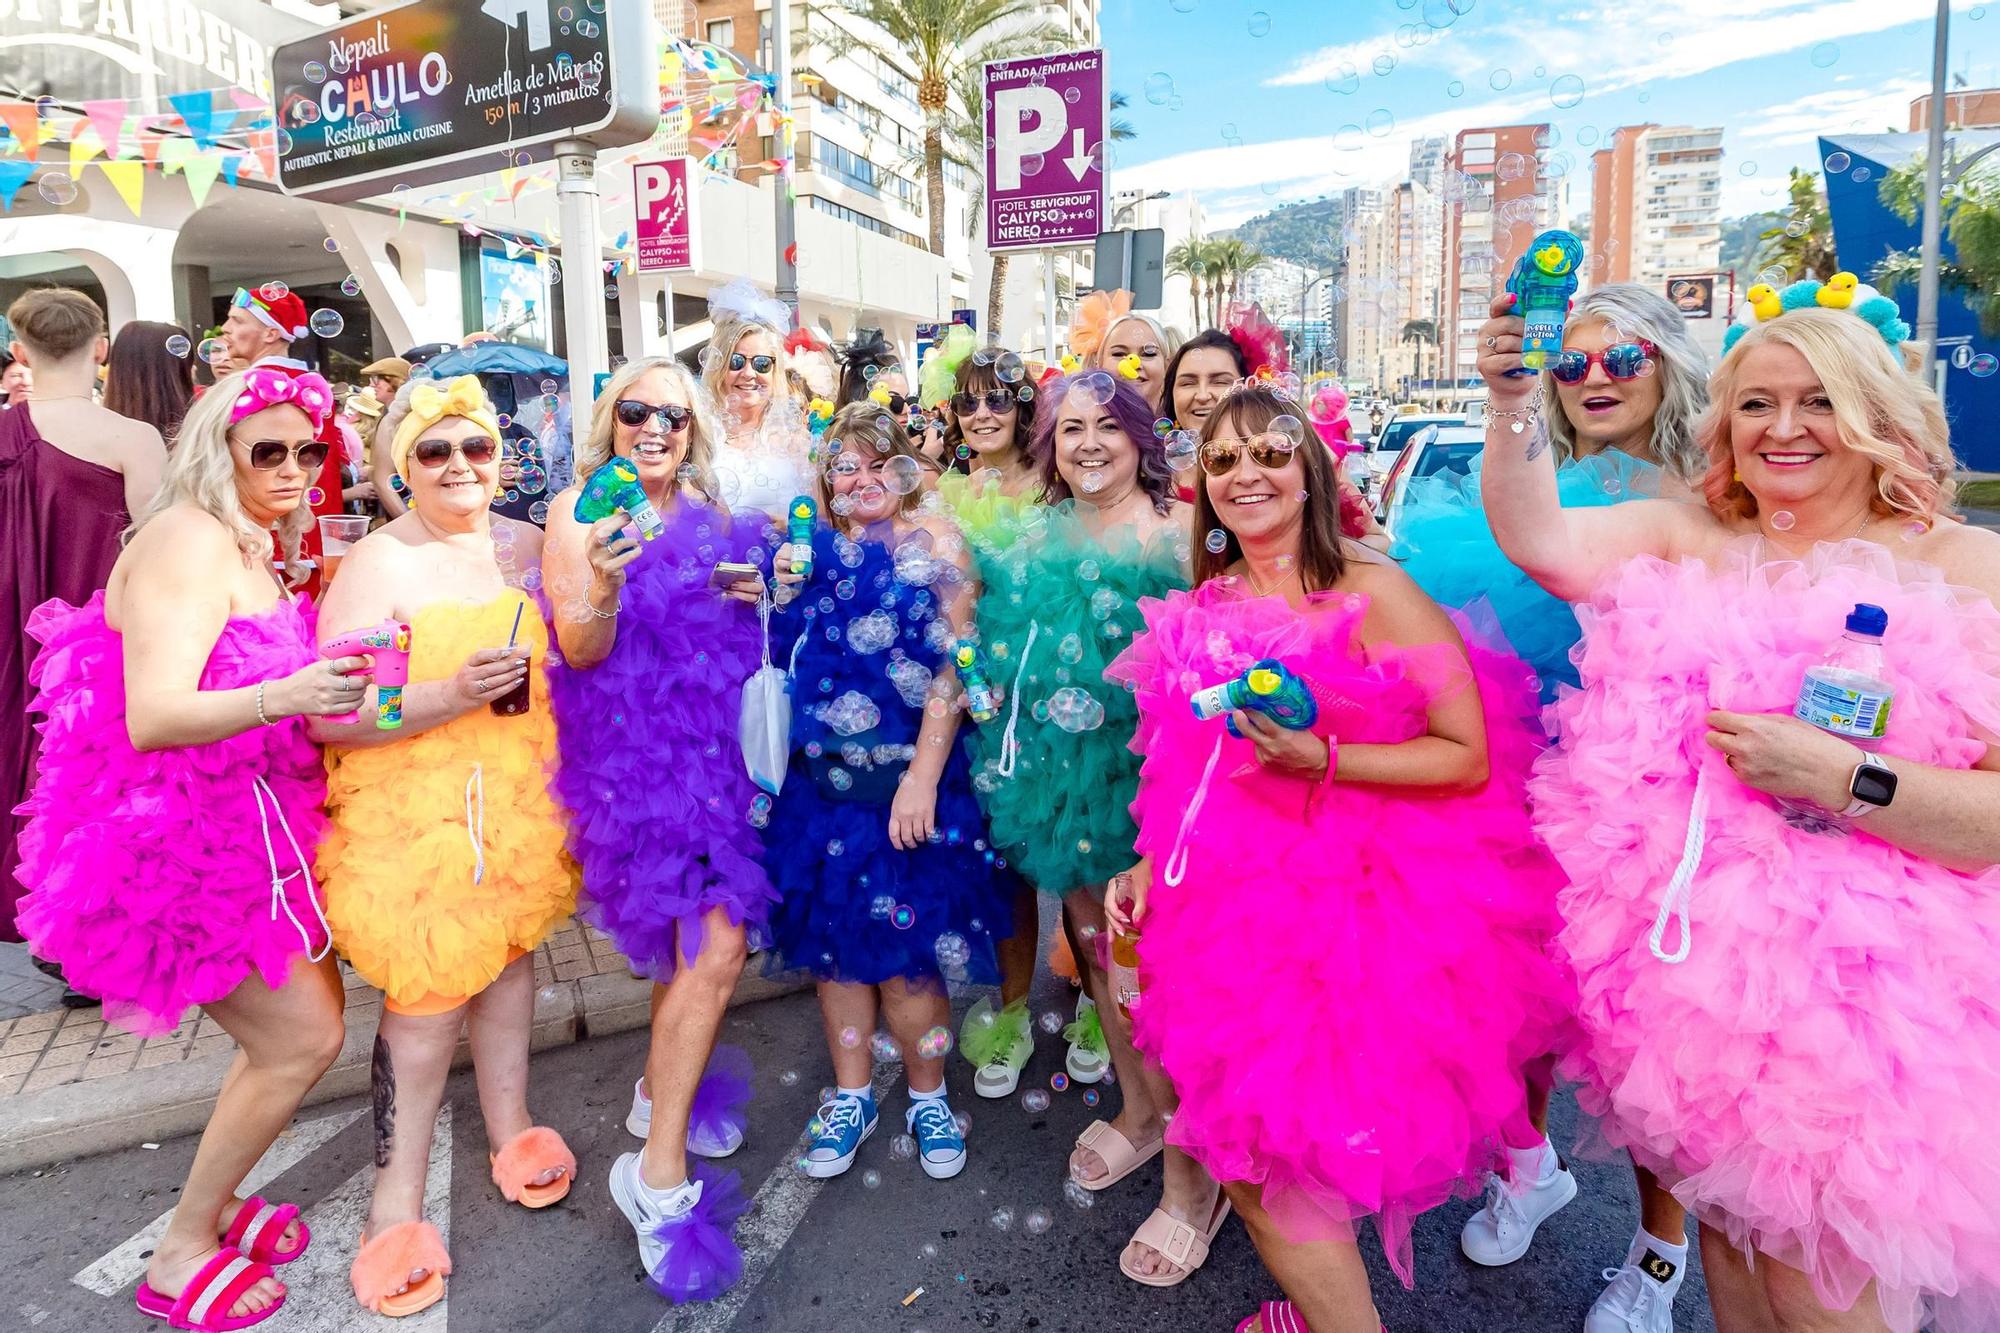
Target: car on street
(1449,446)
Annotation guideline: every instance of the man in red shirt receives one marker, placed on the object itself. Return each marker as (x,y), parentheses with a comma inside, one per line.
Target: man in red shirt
(263,324)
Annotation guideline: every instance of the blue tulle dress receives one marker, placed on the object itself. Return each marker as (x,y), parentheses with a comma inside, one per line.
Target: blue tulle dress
(870,634)
(652,774)
(1445,544)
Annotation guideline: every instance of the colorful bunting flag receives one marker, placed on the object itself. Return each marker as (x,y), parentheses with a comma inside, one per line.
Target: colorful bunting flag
(129,179)
(13,175)
(107,117)
(199,111)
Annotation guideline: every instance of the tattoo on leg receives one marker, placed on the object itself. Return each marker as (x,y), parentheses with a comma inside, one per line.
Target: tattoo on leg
(382,1079)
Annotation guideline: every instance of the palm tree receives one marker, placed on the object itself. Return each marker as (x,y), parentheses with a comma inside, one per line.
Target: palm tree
(942,39)
(1802,244)
(1188,259)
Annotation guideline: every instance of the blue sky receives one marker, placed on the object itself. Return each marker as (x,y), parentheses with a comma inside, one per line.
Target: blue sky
(1253,103)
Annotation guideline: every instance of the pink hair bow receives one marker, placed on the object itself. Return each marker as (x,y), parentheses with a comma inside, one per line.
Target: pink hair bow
(264,387)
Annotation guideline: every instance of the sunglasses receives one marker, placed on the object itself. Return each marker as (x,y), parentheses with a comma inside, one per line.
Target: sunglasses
(1269,450)
(761,364)
(996,401)
(1621,361)
(672,416)
(478,451)
(270,455)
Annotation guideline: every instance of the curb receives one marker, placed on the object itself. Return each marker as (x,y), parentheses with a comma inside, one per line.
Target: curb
(39,1129)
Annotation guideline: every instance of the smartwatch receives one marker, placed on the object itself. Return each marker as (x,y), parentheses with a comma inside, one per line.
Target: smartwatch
(1871,786)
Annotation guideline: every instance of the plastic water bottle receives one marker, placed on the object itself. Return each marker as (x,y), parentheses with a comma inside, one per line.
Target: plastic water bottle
(1848,694)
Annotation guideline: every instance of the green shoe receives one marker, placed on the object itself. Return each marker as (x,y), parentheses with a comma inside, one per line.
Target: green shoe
(1087,1056)
(998,1045)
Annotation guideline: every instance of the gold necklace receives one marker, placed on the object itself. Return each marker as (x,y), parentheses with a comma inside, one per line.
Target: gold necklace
(1251,579)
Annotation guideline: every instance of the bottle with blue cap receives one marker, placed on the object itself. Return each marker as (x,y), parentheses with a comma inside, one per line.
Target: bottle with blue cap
(1847,694)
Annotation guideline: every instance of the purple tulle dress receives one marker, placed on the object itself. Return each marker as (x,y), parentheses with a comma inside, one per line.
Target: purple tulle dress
(163,881)
(652,774)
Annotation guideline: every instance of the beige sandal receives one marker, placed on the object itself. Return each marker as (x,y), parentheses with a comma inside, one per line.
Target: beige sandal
(1120,1158)
(1178,1242)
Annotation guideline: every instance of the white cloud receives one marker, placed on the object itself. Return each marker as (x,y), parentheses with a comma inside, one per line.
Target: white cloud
(1837,110)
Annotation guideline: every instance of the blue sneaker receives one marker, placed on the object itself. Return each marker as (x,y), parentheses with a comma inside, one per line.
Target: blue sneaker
(840,1126)
(940,1147)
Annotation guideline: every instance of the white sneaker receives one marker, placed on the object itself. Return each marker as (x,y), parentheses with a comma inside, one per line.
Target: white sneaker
(1000,1076)
(1640,1298)
(647,1208)
(639,1124)
(1088,1056)
(1501,1232)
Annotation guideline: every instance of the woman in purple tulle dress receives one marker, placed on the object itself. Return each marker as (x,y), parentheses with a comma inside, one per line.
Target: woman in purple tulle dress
(647,699)
(167,850)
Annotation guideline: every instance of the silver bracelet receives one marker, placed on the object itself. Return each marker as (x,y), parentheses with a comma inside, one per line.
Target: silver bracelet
(262,718)
(1517,417)
(612,614)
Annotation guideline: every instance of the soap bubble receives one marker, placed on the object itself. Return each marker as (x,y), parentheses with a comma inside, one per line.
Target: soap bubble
(872,633)
(850,1037)
(1825,55)
(1783,520)
(1454,89)
(1384,64)
(1009,368)
(274,291)
(1095,387)
(213,351)
(1059,1081)
(1075,711)
(1050,1022)
(871,1178)
(884,1048)
(1861,175)
(1566,91)
(790,1078)
(178,345)
(935,1044)
(903,917)
(1036,1222)
(1345,80)
(852,713)
(1381,122)
(1090,1097)
(1002,1219)
(1034,1101)
(57,188)
(1076,1196)
(1260,23)
(327,323)
(315,72)
(1983,365)
(1501,80)
(1159,86)
(1216,541)
(902,1148)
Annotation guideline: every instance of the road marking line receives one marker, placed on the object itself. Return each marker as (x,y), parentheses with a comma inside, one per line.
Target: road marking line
(321,1298)
(126,1264)
(775,1213)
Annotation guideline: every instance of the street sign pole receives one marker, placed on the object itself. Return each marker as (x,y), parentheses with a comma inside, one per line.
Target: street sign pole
(786,218)
(583,292)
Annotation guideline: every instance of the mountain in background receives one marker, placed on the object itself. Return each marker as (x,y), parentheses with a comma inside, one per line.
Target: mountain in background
(1306,234)
(1740,244)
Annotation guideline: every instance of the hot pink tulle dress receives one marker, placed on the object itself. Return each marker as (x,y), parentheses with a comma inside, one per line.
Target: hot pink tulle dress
(1346,996)
(1820,1074)
(162,881)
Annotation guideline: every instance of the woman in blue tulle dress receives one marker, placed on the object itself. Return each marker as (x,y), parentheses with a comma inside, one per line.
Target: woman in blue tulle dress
(887,886)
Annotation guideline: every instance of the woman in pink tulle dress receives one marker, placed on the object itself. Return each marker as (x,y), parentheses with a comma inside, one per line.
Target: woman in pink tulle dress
(1790,1018)
(167,854)
(1323,912)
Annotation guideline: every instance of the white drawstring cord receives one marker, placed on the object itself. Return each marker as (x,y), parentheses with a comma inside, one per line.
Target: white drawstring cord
(1681,887)
(1177,863)
(259,789)
(476,831)
(1010,748)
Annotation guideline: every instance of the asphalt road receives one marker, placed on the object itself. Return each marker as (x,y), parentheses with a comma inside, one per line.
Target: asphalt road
(997,1248)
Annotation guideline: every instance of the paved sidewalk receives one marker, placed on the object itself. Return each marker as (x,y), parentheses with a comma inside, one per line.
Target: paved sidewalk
(72,1085)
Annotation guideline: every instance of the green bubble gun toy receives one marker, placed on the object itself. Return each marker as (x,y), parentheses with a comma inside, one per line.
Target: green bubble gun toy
(978,690)
(613,487)
(799,532)
(1270,688)
(1542,283)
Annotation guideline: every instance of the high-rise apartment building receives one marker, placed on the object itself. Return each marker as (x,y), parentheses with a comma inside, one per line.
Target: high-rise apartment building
(1497,195)
(1655,205)
(1394,272)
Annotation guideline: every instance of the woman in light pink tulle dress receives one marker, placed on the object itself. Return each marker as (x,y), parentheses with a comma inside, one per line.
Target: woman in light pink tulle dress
(1323,913)
(1792,1021)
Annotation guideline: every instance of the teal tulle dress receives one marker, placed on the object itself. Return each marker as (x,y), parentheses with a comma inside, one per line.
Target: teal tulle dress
(1054,770)
(1444,543)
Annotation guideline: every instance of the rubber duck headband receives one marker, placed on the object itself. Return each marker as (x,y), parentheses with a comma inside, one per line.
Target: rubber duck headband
(429,405)
(264,387)
(1843,291)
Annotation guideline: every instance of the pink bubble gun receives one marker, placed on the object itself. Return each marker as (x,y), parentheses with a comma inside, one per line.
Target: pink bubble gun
(387,648)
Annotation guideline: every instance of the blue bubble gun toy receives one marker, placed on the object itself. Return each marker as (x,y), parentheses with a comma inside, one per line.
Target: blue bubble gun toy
(978,690)
(1543,283)
(1270,688)
(799,532)
(613,487)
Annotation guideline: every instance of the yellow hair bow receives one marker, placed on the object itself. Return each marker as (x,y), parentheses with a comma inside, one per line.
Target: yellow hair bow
(462,397)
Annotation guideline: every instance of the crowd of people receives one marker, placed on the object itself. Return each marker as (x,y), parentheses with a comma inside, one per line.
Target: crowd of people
(1359,841)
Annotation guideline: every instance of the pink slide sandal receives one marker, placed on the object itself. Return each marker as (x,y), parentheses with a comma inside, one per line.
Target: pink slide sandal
(204,1305)
(259,1226)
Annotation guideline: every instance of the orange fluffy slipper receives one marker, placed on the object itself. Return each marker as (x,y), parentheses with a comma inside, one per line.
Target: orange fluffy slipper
(386,1262)
(1062,961)
(527,1155)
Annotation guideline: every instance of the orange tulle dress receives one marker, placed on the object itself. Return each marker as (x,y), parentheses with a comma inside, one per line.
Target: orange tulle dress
(444,861)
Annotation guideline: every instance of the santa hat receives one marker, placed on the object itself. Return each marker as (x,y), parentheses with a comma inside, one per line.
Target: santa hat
(286,313)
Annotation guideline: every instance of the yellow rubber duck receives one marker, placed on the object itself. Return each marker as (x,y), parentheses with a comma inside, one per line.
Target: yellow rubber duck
(1838,293)
(1764,303)
(1070,363)
(1129,367)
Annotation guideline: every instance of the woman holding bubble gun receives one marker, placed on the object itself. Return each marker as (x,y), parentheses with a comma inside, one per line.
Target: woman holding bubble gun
(444,866)
(657,637)
(1336,856)
(876,845)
